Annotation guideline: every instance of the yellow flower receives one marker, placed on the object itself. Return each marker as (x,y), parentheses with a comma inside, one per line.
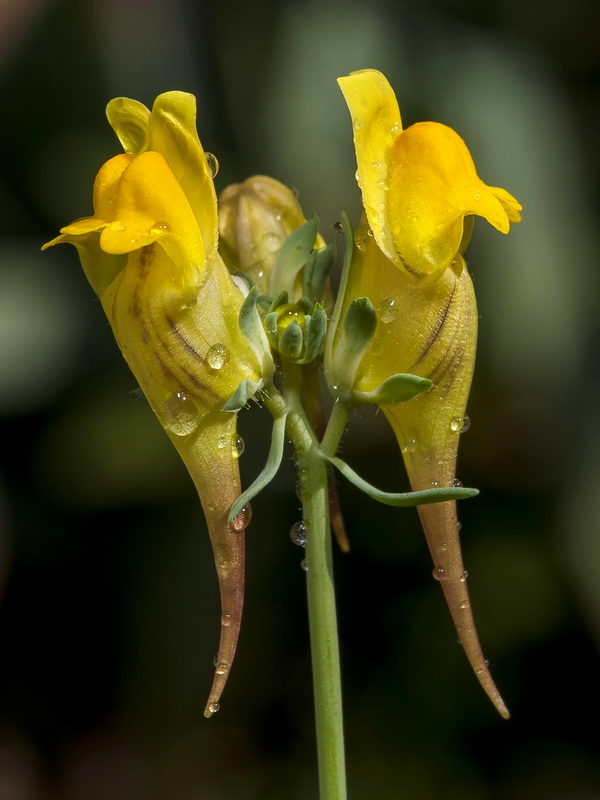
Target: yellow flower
(420,191)
(150,253)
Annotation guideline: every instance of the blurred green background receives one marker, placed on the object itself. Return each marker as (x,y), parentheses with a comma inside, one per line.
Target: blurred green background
(109,619)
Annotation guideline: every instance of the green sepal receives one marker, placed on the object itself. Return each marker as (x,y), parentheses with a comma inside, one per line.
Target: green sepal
(395,389)
(245,391)
(269,471)
(358,327)
(315,328)
(280,300)
(402,499)
(249,319)
(317,271)
(292,256)
(270,326)
(264,302)
(360,322)
(291,340)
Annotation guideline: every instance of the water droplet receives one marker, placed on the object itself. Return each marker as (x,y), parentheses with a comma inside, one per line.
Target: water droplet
(357,124)
(411,446)
(387,310)
(226,620)
(237,446)
(356,175)
(395,127)
(116,226)
(304,565)
(190,301)
(217,356)
(435,483)
(272,242)
(213,707)
(298,533)
(464,576)
(464,604)
(439,573)
(456,482)
(299,490)
(243,518)
(221,668)
(221,442)
(456,424)
(444,546)
(466,424)
(180,415)
(338,227)
(159,227)
(377,165)
(212,163)
(486,662)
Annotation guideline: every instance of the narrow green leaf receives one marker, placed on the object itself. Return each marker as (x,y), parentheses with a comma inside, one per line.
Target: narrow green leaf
(269,471)
(402,499)
(395,389)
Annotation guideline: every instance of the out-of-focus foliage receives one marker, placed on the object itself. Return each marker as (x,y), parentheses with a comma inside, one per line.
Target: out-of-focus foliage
(108,591)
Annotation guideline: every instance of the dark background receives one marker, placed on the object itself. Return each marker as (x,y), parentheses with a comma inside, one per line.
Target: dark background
(109,620)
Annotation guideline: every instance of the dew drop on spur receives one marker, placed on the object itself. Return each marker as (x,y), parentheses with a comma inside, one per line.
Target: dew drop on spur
(217,356)
(221,668)
(298,533)
(180,414)
(212,164)
(213,707)
(464,576)
(439,573)
(304,565)
(226,620)
(237,446)
(243,518)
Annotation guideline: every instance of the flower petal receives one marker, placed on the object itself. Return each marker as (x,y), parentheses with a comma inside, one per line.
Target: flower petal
(376,126)
(173,134)
(130,120)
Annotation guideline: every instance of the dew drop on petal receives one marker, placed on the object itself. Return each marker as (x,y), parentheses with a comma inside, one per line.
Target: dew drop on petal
(212,164)
(217,356)
(466,424)
(456,483)
(298,533)
(222,442)
(435,483)
(387,310)
(458,526)
(272,242)
(180,415)
(159,227)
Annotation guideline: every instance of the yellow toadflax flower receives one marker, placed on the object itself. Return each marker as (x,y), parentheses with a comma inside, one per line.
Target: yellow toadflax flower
(420,191)
(150,253)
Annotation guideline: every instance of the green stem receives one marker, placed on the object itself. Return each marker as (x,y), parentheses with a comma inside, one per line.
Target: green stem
(321,595)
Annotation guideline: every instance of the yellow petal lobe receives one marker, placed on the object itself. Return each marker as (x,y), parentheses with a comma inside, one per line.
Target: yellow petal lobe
(376,125)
